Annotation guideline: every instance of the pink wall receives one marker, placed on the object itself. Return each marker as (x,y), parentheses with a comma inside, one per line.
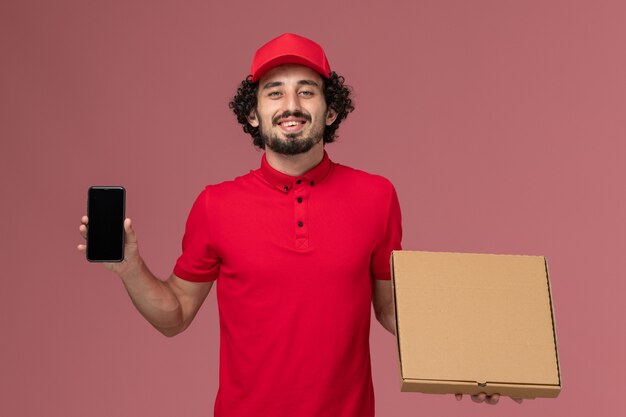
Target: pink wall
(501,123)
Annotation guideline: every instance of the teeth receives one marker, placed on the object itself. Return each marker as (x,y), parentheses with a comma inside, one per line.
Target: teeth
(293,123)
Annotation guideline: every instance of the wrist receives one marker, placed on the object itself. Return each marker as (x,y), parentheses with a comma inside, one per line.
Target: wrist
(131,269)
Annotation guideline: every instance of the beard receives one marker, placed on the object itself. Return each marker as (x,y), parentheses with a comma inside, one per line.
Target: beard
(292,143)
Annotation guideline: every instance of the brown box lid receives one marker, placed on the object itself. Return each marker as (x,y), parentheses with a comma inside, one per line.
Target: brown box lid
(469,323)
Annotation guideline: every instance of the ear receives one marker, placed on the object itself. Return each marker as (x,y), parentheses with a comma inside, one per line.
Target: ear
(253,119)
(331,115)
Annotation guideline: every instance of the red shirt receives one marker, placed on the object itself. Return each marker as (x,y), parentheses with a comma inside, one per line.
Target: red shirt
(294,259)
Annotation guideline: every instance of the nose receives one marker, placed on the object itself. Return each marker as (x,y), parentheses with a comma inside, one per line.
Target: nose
(293,101)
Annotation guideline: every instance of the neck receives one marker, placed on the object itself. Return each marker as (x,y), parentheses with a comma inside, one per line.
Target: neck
(295,165)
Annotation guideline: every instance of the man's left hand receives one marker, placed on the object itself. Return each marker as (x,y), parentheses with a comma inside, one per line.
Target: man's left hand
(484,398)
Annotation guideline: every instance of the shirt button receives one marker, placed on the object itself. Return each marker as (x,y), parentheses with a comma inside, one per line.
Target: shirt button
(299,199)
(298,182)
(312,182)
(300,224)
(286,188)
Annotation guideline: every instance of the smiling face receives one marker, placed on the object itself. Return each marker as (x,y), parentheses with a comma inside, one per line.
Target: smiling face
(291,110)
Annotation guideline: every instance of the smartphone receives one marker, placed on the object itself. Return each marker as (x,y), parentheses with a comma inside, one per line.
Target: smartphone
(105,231)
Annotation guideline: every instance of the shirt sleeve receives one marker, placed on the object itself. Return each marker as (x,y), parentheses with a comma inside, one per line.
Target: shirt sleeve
(391,239)
(199,261)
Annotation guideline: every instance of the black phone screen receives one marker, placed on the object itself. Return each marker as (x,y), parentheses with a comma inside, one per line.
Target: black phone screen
(105,231)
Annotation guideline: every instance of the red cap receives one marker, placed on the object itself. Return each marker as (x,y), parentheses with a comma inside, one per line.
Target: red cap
(289,49)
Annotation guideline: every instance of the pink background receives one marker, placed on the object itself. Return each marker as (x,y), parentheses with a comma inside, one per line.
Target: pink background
(501,123)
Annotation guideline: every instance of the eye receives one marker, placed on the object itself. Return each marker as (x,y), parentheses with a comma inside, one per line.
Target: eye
(273,94)
(306,93)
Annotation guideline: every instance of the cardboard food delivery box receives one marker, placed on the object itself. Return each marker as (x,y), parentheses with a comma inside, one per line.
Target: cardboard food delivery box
(470,323)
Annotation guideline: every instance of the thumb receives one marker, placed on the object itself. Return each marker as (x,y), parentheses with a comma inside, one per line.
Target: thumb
(131,237)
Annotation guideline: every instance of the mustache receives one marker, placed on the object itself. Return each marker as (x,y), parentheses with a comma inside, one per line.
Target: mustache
(291,114)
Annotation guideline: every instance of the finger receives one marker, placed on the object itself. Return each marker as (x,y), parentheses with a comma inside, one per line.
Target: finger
(82,248)
(83,231)
(517,400)
(493,399)
(458,397)
(84,220)
(131,237)
(479,398)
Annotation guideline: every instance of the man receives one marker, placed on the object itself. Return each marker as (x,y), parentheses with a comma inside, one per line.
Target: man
(299,248)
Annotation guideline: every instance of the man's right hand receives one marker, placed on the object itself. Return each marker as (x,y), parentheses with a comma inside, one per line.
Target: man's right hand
(132,261)
(170,305)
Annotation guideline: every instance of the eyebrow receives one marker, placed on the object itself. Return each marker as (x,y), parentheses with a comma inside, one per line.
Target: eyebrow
(308,82)
(273,84)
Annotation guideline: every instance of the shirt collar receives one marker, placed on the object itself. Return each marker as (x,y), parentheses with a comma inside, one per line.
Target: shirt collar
(285,182)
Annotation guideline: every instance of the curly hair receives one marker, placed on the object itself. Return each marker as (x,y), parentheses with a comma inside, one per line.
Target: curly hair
(337,97)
